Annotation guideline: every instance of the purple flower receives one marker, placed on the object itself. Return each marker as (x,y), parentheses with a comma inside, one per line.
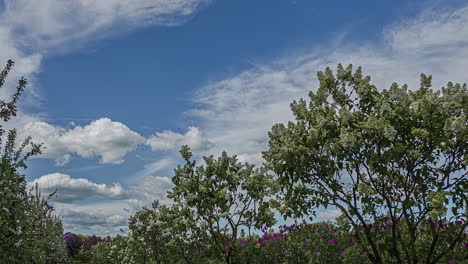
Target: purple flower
(74,243)
(451,261)
(203,249)
(331,231)
(332,241)
(325,225)
(304,244)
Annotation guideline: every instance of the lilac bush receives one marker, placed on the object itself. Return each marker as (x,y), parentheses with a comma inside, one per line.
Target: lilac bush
(91,241)
(74,243)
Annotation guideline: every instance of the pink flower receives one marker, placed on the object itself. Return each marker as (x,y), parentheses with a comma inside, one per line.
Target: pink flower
(6,210)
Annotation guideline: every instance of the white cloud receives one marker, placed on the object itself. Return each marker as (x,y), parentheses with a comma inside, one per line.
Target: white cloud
(169,140)
(236,113)
(431,32)
(71,189)
(148,189)
(104,218)
(109,140)
(51,23)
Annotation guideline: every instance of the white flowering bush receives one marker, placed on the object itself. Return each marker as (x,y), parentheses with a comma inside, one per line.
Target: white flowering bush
(29,231)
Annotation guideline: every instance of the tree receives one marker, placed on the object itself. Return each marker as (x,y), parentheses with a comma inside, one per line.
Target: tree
(225,196)
(29,233)
(168,233)
(395,152)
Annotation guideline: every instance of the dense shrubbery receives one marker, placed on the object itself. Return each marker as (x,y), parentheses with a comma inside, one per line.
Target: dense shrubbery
(297,243)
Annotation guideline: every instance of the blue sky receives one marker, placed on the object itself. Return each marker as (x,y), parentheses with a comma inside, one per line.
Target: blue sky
(116,87)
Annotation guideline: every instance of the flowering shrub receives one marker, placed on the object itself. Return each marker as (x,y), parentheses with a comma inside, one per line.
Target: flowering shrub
(91,241)
(74,243)
(29,230)
(297,243)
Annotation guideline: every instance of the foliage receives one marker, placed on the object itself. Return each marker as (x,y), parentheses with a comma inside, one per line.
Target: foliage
(43,234)
(396,152)
(167,231)
(74,243)
(224,195)
(323,242)
(29,231)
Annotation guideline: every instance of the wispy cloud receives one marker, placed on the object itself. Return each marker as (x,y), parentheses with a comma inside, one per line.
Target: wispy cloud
(40,25)
(236,113)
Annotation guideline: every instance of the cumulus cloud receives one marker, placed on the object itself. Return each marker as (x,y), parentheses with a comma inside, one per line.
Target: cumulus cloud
(169,140)
(236,113)
(105,138)
(69,189)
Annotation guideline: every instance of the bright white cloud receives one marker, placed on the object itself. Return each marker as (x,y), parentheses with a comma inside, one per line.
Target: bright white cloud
(236,113)
(169,140)
(109,140)
(70,189)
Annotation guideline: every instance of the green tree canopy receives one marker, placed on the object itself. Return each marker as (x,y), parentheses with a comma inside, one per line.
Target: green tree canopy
(394,152)
(225,196)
